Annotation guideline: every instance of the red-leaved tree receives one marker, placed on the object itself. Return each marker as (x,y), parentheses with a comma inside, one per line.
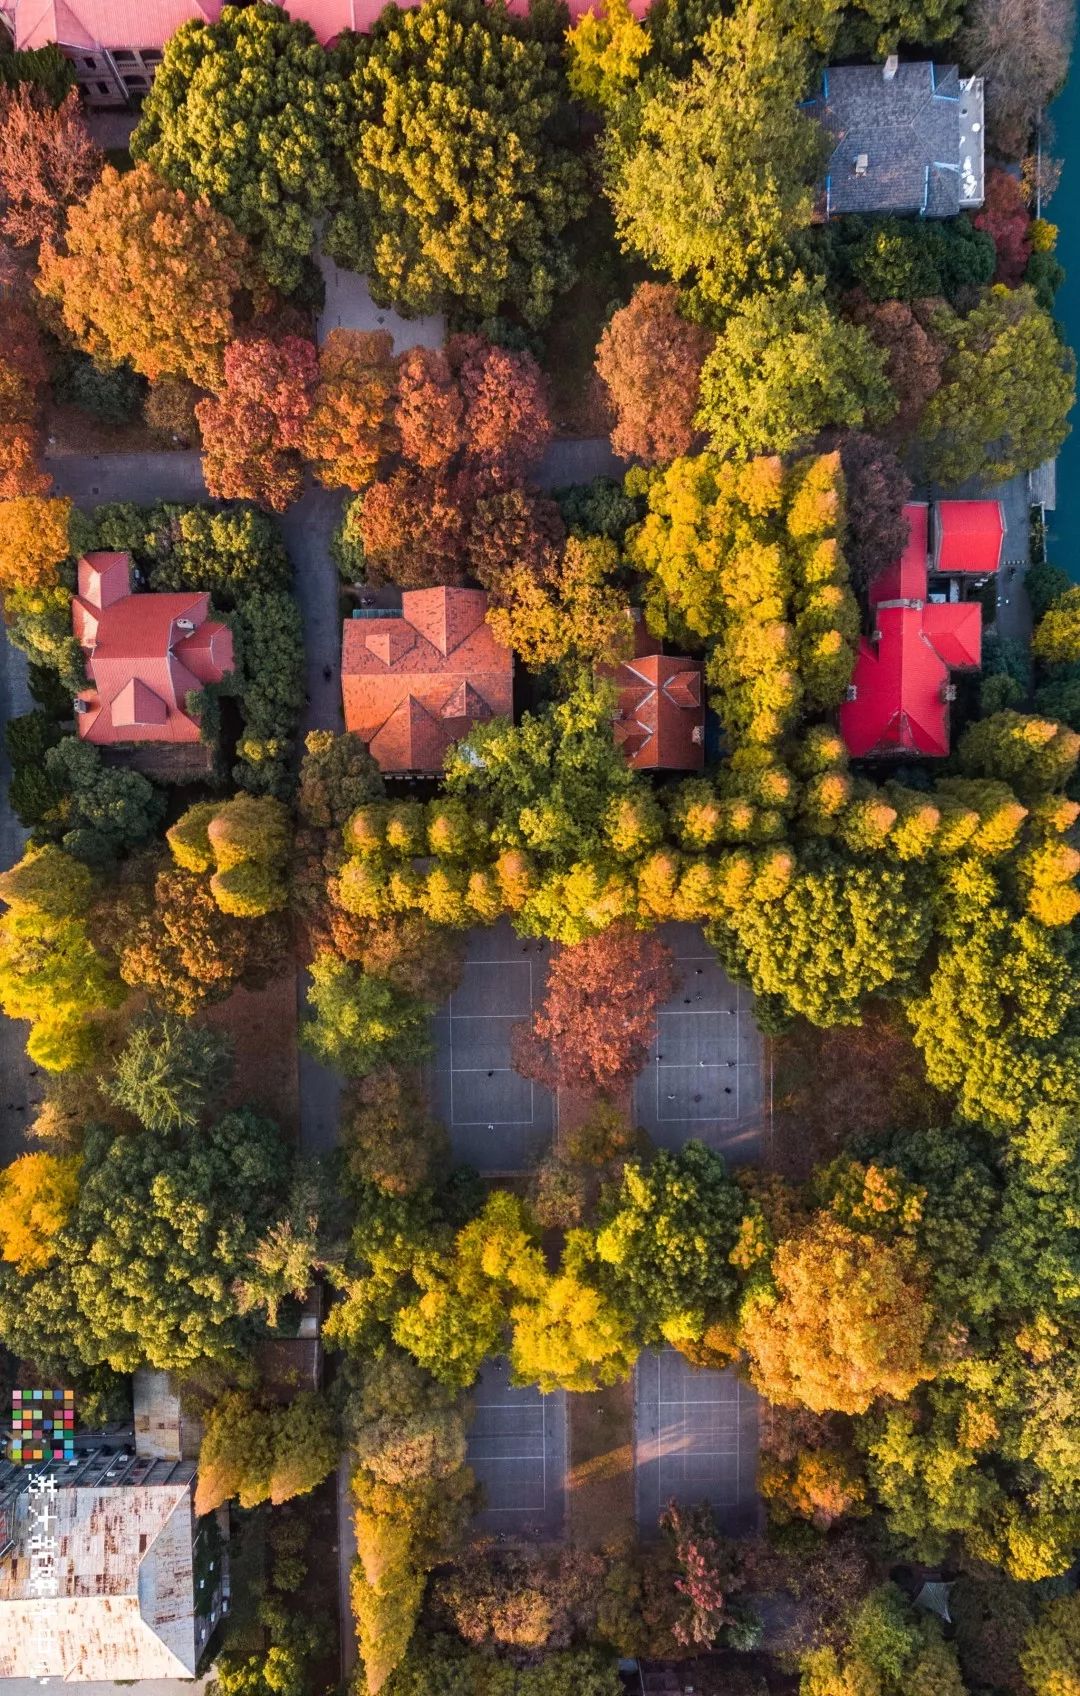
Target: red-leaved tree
(1006,218)
(415,528)
(593,1031)
(252,431)
(47,162)
(513,530)
(876,487)
(471,403)
(913,352)
(650,360)
(703,1574)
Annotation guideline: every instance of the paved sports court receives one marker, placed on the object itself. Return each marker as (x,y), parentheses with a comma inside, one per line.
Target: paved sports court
(704,1074)
(517,1448)
(696,1440)
(497,1120)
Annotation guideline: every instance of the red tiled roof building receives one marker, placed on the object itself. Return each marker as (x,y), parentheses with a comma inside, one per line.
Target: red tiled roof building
(898,701)
(968,537)
(661,718)
(145,654)
(415,683)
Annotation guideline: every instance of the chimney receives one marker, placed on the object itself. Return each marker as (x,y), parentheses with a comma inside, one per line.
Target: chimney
(891,66)
(862,164)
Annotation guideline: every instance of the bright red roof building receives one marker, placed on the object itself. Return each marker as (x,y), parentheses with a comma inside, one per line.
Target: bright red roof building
(898,702)
(415,683)
(145,654)
(661,721)
(968,537)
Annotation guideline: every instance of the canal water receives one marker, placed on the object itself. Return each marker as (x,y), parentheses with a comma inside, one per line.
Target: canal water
(1063,545)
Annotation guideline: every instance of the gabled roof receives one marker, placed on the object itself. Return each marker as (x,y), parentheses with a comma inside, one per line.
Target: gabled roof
(145,654)
(661,709)
(905,138)
(968,536)
(111,24)
(899,697)
(416,682)
(123,1601)
(93,24)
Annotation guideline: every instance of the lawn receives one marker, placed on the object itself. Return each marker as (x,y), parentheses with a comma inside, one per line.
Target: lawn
(832,1085)
(600,1481)
(262,1025)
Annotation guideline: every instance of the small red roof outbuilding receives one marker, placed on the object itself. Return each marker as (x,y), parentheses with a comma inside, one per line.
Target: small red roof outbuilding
(968,537)
(898,700)
(415,683)
(661,717)
(145,654)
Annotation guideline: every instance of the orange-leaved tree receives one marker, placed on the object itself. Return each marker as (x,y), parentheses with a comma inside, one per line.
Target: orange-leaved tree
(351,424)
(37,1195)
(33,541)
(846,1322)
(23,374)
(593,1030)
(148,275)
(47,162)
(649,359)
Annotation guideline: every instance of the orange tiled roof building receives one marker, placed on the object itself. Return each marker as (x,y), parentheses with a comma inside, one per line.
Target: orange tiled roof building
(661,715)
(415,683)
(145,654)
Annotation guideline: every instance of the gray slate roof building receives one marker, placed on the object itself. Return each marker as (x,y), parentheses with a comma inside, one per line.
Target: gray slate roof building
(906,138)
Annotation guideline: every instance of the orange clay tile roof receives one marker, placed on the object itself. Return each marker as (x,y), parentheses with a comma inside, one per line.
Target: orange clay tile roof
(415,683)
(141,659)
(661,720)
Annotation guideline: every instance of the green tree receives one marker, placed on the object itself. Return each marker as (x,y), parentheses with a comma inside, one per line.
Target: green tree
(105,811)
(837,931)
(548,781)
(783,368)
(1051,1657)
(1034,755)
(169,1071)
(246,113)
(389,1136)
(361,1022)
(337,775)
(665,1240)
(462,191)
(888,1649)
(1057,635)
(1008,384)
(715,178)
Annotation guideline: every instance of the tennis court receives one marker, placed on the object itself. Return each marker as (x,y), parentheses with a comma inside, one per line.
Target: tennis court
(704,1074)
(696,1440)
(517,1448)
(497,1120)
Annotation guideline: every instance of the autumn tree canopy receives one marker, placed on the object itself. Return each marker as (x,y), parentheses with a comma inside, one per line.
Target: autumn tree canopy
(151,276)
(253,429)
(244,113)
(593,1029)
(462,191)
(649,359)
(47,162)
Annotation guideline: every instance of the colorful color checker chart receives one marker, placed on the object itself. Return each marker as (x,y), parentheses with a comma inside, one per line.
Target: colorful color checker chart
(42,1426)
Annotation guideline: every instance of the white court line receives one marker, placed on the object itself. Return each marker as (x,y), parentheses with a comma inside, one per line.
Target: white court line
(461,1017)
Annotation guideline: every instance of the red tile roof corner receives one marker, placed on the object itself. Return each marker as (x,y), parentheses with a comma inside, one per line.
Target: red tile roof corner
(660,724)
(145,654)
(417,682)
(898,700)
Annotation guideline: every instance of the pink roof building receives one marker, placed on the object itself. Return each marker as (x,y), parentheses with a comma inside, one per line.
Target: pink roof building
(145,654)
(116,45)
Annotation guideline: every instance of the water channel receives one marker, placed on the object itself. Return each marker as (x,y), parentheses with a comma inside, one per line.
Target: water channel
(1064,210)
